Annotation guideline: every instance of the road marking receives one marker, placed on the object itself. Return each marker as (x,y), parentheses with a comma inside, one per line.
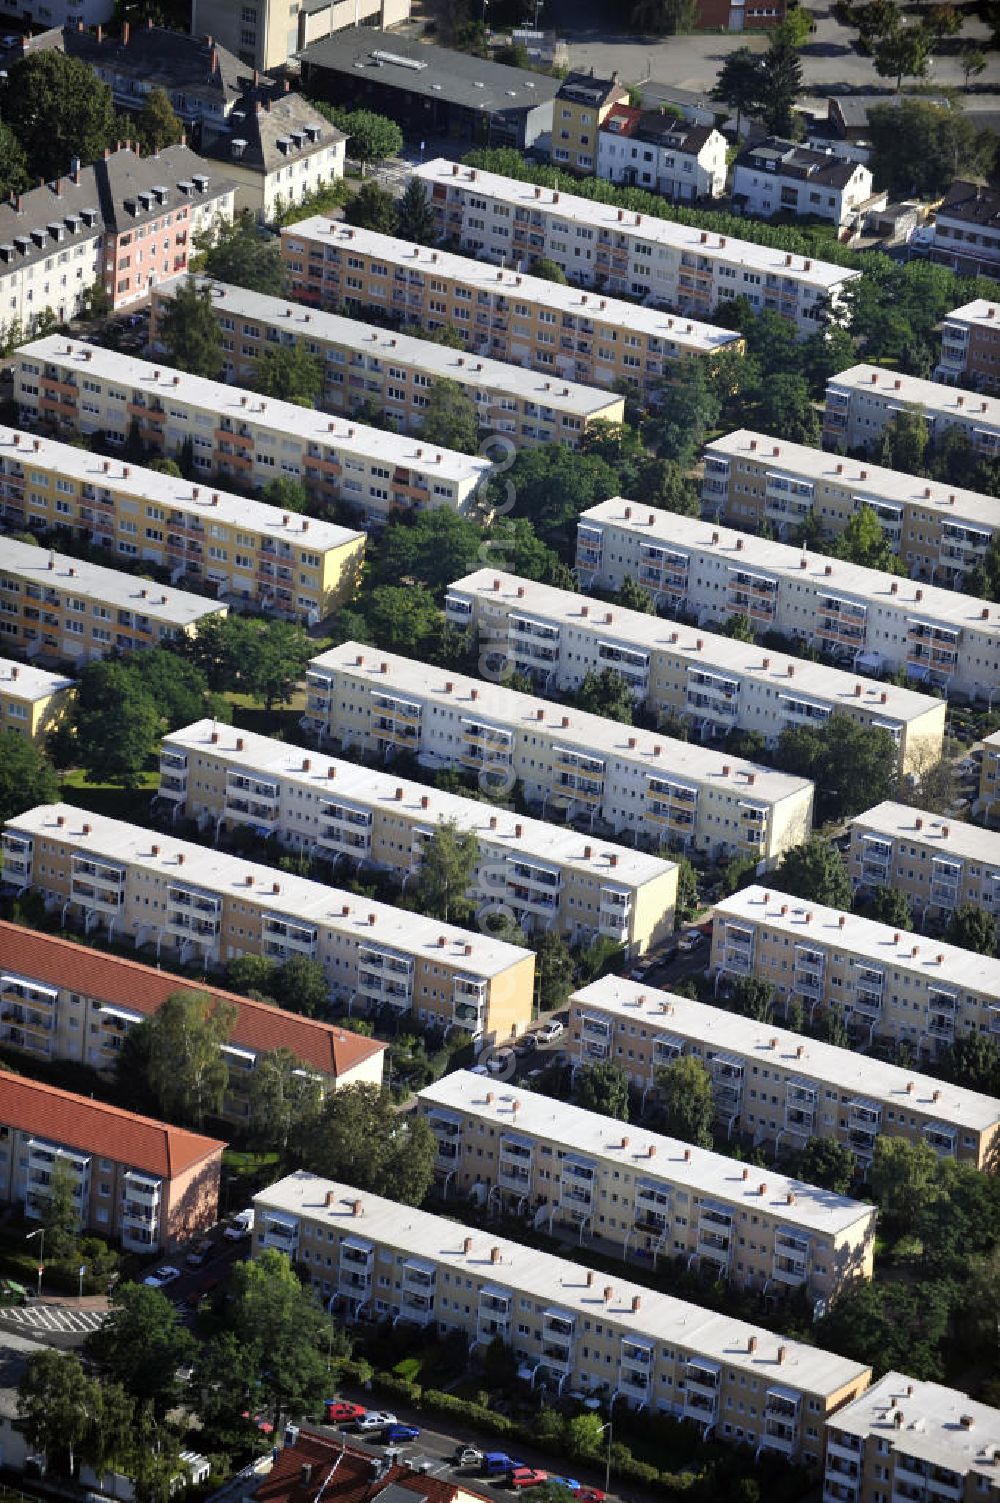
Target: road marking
(54,1318)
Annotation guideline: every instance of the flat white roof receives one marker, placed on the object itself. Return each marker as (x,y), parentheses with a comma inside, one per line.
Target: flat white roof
(271,889)
(238,405)
(942,401)
(373,788)
(687,333)
(779,1048)
(979,311)
(128,592)
(951,837)
(609,219)
(931,1427)
(797,677)
(556,1281)
(482,700)
(438,360)
(25,681)
(649,1154)
(743,550)
(168,490)
(931,959)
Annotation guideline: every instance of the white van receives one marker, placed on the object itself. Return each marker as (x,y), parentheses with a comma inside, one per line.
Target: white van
(239,1226)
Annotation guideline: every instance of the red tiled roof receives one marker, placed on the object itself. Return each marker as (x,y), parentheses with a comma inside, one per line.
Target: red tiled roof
(94,1127)
(143,988)
(354,1481)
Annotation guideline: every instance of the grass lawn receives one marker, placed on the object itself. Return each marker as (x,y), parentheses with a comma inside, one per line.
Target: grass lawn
(105,798)
(244,1173)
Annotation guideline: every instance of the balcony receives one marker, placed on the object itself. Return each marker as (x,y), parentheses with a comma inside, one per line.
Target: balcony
(283,937)
(791,1258)
(493,1318)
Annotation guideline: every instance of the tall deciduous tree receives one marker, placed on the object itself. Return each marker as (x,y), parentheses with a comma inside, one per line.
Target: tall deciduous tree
(602,1087)
(282,1330)
(56,1404)
(904,53)
(371,137)
(58,109)
(553,971)
(903,1178)
(289,373)
(27,777)
(853,766)
(60,1213)
(824,1161)
(142,1343)
(241,253)
(685,1093)
(13,163)
(360,1139)
(891,905)
(665,17)
(117,724)
(159,124)
(815,872)
(920,146)
(185,1068)
(283,1098)
(435,549)
(372,208)
(607,693)
(972,928)
(299,984)
(447,864)
(450,418)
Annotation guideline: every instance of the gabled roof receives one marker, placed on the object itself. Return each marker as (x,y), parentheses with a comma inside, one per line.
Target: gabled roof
(142,989)
(347,1474)
(787,159)
(973,203)
(197,67)
(584,88)
(265,134)
(90,1126)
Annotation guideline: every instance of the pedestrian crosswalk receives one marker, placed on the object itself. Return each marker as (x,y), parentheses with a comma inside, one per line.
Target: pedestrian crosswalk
(57,1319)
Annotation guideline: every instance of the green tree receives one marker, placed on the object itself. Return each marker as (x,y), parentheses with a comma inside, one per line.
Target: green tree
(972,928)
(904,53)
(825,1162)
(685,407)
(58,110)
(372,138)
(275,654)
(752,997)
(447,863)
(56,1404)
(548,271)
(372,208)
(286,493)
(181,1044)
(251,974)
(780,87)
(607,693)
(853,766)
(290,374)
(59,1213)
(13,163)
(887,1324)
(142,1343)
(903,1177)
(553,972)
(514,545)
(973,1060)
(664,483)
(27,777)
(282,1330)
(688,899)
(904,442)
(584,1435)
(405,618)
(602,1087)
(177,687)
(815,872)
(632,597)
(891,905)
(284,1097)
(117,723)
(158,123)
(241,253)
(739,627)
(554,484)
(450,418)
(797,26)
(685,1091)
(864,541)
(360,1139)
(920,146)
(434,549)
(972,62)
(156,1460)
(786,410)
(109,1443)
(299,985)
(416,221)
(739,84)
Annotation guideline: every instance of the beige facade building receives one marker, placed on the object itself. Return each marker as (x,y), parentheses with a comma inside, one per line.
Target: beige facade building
(193,903)
(544,876)
(938,862)
(939,533)
(528,1155)
(364,364)
(506,315)
(861,401)
(74,388)
(863,618)
(580,109)
(884,983)
(246,552)
(32,702)
(54,607)
(266,33)
(774,1086)
(988,803)
(566,1325)
(907,1439)
(666,792)
(503,220)
(719,684)
(970,347)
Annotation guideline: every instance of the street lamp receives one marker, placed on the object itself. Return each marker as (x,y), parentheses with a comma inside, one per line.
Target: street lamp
(608,1427)
(39,1232)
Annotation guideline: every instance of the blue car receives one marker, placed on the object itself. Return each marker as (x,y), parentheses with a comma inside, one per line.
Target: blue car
(497,1462)
(568,1482)
(398,1434)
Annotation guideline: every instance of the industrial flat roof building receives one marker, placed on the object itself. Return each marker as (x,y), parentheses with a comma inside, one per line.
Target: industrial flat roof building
(585,766)
(32,701)
(546,876)
(195,902)
(862,618)
(502,219)
(564,1322)
(77,388)
(939,863)
(774,1086)
(364,363)
(884,983)
(647,1195)
(862,401)
(719,684)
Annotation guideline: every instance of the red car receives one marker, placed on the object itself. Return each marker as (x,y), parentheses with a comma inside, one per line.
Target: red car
(343,1412)
(526,1476)
(591,1495)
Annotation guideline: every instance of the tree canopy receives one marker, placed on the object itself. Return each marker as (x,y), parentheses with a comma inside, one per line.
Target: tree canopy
(189,329)
(447,863)
(450,418)
(685,1092)
(361,1139)
(27,777)
(240,252)
(919,146)
(602,1086)
(852,765)
(58,109)
(289,373)
(815,872)
(178,1050)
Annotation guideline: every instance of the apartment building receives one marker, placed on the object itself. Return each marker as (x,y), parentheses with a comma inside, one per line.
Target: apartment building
(56,607)
(60,1000)
(502,220)
(653,149)
(967,229)
(904,1438)
(773,1086)
(195,904)
(862,618)
(266,33)
(364,364)
(970,347)
(781,177)
(546,877)
(565,1324)
(884,984)
(243,552)
(519,1153)
(938,862)
(939,533)
(73,388)
(141,1182)
(32,701)
(719,684)
(582,767)
(581,107)
(504,315)
(988,803)
(862,401)
(277,149)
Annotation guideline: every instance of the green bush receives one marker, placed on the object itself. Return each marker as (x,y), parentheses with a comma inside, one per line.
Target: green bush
(398,1388)
(473,1414)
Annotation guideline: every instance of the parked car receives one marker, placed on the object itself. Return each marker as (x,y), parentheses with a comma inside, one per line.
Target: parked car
(500,1061)
(572,1484)
(162,1276)
(239,1226)
(526,1044)
(467,1456)
(495,1463)
(591,1495)
(400,1435)
(376,1419)
(343,1412)
(200,1253)
(550,1031)
(526,1476)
